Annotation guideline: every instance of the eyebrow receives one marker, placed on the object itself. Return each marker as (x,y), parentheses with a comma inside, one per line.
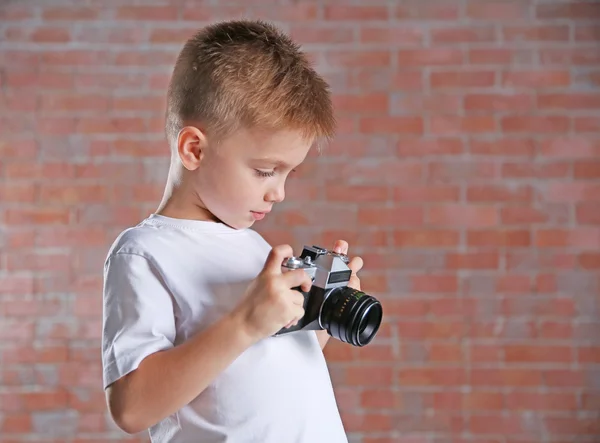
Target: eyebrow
(274,162)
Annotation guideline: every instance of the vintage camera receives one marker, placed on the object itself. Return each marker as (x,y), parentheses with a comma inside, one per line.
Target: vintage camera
(347,314)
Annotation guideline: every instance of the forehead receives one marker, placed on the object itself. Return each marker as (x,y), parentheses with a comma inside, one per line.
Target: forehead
(281,147)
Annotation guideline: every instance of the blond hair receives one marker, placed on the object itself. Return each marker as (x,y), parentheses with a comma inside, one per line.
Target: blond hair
(247,73)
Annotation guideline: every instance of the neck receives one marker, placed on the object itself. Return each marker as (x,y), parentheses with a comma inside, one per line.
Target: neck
(179,200)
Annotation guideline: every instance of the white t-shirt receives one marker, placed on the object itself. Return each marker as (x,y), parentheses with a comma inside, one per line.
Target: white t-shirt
(166,279)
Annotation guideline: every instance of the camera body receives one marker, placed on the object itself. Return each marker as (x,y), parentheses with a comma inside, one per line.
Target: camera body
(347,314)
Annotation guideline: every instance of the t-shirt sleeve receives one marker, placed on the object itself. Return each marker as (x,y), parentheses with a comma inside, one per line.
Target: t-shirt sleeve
(138,318)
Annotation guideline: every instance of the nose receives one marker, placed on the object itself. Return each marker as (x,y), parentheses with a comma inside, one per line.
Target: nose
(276,194)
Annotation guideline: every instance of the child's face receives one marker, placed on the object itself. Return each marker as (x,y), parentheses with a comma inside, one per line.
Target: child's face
(239,181)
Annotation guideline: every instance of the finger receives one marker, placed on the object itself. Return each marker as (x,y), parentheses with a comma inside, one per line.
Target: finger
(297,298)
(354,283)
(356,264)
(340,246)
(298,313)
(297,277)
(276,257)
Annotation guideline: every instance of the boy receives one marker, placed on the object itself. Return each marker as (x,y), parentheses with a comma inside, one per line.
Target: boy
(192,295)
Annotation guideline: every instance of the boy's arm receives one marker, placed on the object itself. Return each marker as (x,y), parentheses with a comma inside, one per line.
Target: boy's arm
(138,324)
(189,368)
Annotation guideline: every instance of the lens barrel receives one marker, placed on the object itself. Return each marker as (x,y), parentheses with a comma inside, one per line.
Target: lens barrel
(351,316)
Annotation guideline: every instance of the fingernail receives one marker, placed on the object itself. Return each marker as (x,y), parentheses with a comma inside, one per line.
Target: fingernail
(338,249)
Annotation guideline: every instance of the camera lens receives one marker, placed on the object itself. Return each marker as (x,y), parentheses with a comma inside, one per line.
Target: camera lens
(351,316)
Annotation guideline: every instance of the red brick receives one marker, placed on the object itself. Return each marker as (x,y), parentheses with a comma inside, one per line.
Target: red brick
(558,378)
(532,354)
(569,147)
(69,102)
(589,260)
(499,193)
(522,215)
(588,213)
(556,33)
(432,10)
(499,238)
(497,10)
(472,261)
(461,79)
(70,13)
(428,193)
(408,307)
(568,426)
(378,399)
(361,104)
(379,79)
(547,170)
(586,169)
(435,103)
(463,215)
(482,401)
(50,35)
(357,193)
(380,375)
(427,376)
(542,124)
(568,101)
(556,330)
(506,377)
(465,34)
(587,124)
(440,329)
(430,57)
(502,147)
(500,56)
(585,32)
(426,238)
(445,352)
(170,35)
(536,79)
(434,283)
(306,33)
(573,10)
(353,59)
(391,125)
(495,424)
(384,216)
(377,422)
(391,35)
(588,354)
(16,423)
(590,401)
(499,102)
(452,125)
(581,191)
(351,12)
(147,13)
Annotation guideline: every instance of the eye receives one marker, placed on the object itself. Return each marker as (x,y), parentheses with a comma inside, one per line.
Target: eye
(264,173)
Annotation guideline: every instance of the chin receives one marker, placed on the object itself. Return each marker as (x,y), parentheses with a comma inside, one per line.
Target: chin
(239,223)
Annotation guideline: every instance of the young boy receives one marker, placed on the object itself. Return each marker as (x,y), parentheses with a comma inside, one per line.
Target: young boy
(192,295)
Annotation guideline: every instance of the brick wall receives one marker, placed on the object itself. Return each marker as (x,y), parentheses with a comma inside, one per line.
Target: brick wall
(466,174)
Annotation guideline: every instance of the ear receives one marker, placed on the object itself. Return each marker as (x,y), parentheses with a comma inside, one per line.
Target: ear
(191,146)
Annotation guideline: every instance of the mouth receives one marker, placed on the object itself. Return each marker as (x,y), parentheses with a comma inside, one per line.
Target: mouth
(259,215)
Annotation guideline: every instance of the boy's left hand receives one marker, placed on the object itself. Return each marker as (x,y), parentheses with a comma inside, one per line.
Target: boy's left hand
(356,263)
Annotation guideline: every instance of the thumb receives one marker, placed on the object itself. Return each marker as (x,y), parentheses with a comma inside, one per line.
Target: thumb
(276,257)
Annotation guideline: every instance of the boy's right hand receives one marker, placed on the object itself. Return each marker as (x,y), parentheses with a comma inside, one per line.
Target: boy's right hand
(269,302)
